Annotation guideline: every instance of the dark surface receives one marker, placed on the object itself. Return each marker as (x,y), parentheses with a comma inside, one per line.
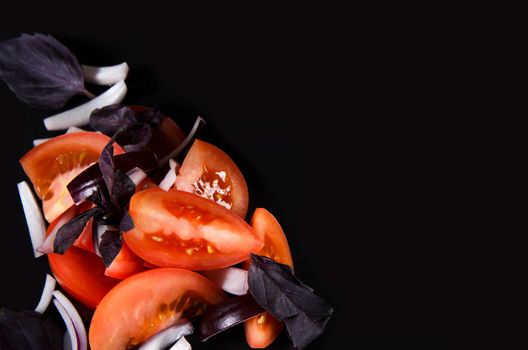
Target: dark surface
(332,126)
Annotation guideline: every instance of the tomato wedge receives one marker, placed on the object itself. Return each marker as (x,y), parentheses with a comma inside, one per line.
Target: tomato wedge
(180,229)
(208,172)
(263,329)
(81,274)
(148,302)
(53,164)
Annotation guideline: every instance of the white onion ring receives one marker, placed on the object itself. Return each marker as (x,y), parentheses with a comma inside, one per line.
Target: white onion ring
(76,319)
(169,179)
(167,337)
(231,279)
(199,121)
(80,115)
(105,75)
(47,293)
(39,141)
(136,175)
(47,246)
(74,129)
(69,324)
(181,344)
(34,218)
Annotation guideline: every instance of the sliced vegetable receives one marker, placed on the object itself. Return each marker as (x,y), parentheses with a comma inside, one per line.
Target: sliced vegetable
(105,75)
(73,129)
(80,115)
(70,130)
(199,124)
(286,298)
(167,337)
(71,231)
(39,141)
(169,179)
(76,319)
(210,173)
(47,293)
(137,175)
(230,279)
(34,219)
(181,344)
(74,342)
(227,314)
(41,71)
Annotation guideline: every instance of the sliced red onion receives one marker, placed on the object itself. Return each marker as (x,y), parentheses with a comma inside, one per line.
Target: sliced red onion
(105,75)
(169,179)
(69,324)
(80,115)
(198,125)
(181,344)
(34,218)
(74,129)
(230,279)
(136,175)
(167,337)
(47,293)
(47,246)
(77,322)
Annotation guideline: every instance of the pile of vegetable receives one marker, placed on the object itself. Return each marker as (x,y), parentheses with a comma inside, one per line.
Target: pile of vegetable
(155,250)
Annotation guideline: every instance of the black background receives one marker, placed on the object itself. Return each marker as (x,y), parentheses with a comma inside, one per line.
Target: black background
(331,116)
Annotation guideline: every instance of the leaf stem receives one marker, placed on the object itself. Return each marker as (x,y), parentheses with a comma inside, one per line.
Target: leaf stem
(88,94)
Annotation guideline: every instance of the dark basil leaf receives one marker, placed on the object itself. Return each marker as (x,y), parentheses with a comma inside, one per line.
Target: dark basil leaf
(40,71)
(135,137)
(126,223)
(124,189)
(150,116)
(106,165)
(227,314)
(111,119)
(68,233)
(110,246)
(286,298)
(29,330)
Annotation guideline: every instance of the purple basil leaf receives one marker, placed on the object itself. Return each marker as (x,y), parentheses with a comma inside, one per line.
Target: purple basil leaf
(106,165)
(110,246)
(111,119)
(135,137)
(124,189)
(286,298)
(40,71)
(68,233)
(150,116)
(127,223)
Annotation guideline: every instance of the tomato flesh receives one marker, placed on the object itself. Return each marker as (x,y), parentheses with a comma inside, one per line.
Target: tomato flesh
(147,303)
(52,165)
(179,229)
(263,329)
(210,173)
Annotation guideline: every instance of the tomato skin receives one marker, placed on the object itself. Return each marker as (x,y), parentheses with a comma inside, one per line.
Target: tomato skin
(180,229)
(81,274)
(203,154)
(263,329)
(146,303)
(53,164)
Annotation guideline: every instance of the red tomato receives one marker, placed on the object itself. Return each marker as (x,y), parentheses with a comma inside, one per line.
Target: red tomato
(180,229)
(81,274)
(208,172)
(263,329)
(148,302)
(53,164)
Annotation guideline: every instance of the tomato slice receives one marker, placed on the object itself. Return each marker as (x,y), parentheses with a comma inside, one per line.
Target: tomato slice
(147,303)
(263,329)
(81,274)
(208,172)
(53,164)
(180,229)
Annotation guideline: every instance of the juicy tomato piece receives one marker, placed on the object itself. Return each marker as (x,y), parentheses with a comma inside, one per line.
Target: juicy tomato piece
(53,164)
(148,302)
(81,274)
(263,329)
(180,229)
(208,172)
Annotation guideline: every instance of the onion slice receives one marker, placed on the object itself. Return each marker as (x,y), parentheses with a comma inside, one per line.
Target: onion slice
(105,75)
(80,115)
(74,129)
(80,331)
(66,342)
(167,337)
(136,175)
(230,279)
(47,293)
(47,246)
(69,324)
(34,218)
(198,125)
(181,344)
(39,141)
(169,179)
